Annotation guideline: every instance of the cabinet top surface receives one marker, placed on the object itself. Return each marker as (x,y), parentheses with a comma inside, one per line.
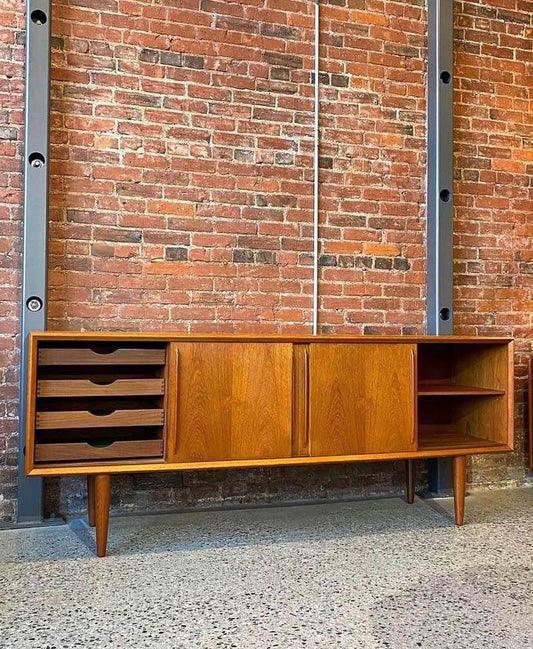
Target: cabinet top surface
(280,338)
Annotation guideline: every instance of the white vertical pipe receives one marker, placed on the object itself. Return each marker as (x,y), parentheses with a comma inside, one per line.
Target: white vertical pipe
(315,168)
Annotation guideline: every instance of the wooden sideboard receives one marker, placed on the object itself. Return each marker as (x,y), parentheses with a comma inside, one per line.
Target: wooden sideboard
(100,404)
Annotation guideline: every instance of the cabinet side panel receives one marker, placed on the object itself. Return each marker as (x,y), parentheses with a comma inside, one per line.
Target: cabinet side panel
(31,388)
(485,418)
(482,366)
(487,366)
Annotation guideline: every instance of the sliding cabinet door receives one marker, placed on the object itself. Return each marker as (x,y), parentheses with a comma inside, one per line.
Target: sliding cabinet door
(361,398)
(234,401)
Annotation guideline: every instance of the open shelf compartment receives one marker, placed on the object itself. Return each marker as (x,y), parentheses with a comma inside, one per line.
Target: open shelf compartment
(462,395)
(462,369)
(462,422)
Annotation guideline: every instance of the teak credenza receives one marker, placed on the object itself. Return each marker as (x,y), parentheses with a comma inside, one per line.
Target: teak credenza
(100,404)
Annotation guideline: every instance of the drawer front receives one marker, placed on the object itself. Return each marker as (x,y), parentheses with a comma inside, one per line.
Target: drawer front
(98,356)
(79,451)
(84,419)
(88,388)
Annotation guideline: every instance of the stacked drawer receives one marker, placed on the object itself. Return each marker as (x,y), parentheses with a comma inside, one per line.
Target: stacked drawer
(99,401)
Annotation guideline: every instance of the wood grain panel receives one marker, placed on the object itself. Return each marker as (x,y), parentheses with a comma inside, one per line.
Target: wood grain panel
(362,399)
(483,367)
(203,418)
(234,401)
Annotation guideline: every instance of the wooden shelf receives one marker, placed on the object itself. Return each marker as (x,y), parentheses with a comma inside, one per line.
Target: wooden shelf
(445,437)
(451,389)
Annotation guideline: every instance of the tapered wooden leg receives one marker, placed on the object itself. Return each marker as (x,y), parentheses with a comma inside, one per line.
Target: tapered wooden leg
(459,485)
(90,499)
(410,481)
(102,489)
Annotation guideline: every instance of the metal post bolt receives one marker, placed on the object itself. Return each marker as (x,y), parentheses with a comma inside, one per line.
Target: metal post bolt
(34,304)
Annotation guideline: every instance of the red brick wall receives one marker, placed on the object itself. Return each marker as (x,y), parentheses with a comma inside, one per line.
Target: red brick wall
(493,142)
(11,119)
(182,148)
(373,155)
(181,188)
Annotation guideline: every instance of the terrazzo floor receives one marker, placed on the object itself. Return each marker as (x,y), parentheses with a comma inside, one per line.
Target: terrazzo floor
(367,574)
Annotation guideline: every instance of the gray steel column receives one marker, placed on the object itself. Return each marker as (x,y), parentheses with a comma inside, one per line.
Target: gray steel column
(35,237)
(440,192)
(440,168)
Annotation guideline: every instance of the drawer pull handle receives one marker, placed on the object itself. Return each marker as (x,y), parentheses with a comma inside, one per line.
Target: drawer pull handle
(101,443)
(103,351)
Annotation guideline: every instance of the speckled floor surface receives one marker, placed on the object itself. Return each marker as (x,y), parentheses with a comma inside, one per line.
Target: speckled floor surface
(369,574)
